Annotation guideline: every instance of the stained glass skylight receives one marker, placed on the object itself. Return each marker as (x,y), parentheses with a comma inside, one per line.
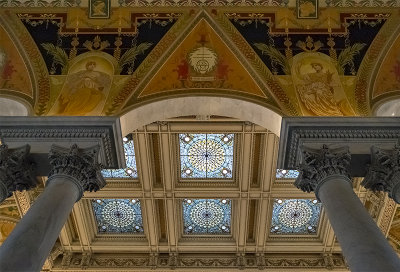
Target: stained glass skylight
(207,216)
(118,215)
(295,216)
(286,174)
(206,155)
(131,170)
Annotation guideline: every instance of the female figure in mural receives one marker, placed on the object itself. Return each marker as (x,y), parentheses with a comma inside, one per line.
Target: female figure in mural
(317,93)
(85,91)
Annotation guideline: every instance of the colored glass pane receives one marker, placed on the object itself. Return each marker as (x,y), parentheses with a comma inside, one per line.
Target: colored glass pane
(295,216)
(131,170)
(206,155)
(118,215)
(207,216)
(286,174)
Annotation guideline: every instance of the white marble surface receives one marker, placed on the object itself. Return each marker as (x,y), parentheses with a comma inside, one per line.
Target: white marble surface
(10,107)
(389,108)
(202,105)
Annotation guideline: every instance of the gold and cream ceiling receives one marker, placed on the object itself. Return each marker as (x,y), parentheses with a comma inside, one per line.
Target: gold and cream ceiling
(181,204)
(135,52)
(199,191)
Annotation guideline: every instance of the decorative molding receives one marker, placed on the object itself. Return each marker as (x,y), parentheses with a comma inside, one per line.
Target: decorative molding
(200,3)
(181,261)
(386,219)
(356,132)
(277,97)
(319,164)
(40,77)
(41,132)
(384,172)
(22,202)
(8,202)
(374,202)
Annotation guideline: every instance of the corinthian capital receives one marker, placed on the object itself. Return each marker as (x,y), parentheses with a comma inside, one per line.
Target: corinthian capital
(79,164)
(319,164)
(16,170)
(384,172)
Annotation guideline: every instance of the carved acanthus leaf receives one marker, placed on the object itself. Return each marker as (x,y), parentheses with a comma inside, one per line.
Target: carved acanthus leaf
(384,172)
(17,171)
(80,164)
(319,164)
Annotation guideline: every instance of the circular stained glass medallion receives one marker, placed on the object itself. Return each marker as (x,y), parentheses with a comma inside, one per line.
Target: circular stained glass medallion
(295,214)
(118,214)
(207,214)
(206,155)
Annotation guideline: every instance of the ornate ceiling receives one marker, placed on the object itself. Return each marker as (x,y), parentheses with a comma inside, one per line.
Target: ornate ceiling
(154,215)
(297,58)
(275,54)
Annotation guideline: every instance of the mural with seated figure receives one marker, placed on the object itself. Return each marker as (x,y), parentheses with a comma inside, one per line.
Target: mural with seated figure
(318,86)
(86,87)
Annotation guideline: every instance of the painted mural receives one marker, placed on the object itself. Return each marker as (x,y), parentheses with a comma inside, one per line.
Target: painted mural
(264,57)
(394,232)
(83,88)
(202,61)
(14,74)
(388,78)
(307,9)
(330,59)
(86,87)
(318,86)
(8,217)
(10,211)
(6,228)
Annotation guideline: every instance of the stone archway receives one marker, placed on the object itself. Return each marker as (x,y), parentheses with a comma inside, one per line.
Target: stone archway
(204,105)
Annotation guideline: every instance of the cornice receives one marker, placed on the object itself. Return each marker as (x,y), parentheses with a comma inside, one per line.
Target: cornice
(187,261)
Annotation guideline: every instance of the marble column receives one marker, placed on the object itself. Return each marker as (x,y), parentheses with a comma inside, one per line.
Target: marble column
(384,172)
(364,247)
(73,171)
(16,170)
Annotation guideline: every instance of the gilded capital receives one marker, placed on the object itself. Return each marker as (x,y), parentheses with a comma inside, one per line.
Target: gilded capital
(384,172)
(79,164)
(17,171)
(319,164)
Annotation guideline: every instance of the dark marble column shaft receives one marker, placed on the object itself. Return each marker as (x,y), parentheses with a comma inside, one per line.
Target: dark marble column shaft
(364,246)
(74,170)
